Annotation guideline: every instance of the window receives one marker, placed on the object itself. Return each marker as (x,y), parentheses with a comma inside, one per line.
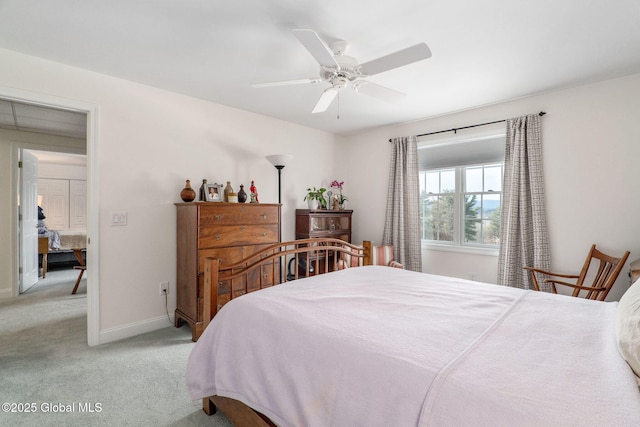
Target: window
(482,195)
(460,202)
(437,196)
(461,205)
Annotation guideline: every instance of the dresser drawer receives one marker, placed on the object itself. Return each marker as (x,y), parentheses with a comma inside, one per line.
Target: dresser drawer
(227,256)
(237,235)
(232,214)
(238,287)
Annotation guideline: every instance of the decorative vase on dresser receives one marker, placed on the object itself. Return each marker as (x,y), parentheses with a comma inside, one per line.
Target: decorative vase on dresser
(188,194)
(242,195)
(229,232)
(227,190)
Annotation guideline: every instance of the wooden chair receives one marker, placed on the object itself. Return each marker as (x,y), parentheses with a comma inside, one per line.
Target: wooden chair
(605,276)
(43,249)
(380,255)
(82,267)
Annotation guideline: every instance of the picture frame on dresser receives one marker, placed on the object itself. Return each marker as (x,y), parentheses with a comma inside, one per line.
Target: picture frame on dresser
(214,193)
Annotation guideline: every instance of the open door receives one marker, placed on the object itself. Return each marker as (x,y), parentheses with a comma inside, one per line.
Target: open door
(28,220)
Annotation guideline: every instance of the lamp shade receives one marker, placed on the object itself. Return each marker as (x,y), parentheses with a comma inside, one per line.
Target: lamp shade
(279,159)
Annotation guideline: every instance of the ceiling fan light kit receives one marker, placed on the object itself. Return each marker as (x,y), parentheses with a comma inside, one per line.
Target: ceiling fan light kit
(340,70)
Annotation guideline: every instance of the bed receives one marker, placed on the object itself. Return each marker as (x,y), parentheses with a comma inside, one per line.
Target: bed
(61,245)
(382,346)
(72,239)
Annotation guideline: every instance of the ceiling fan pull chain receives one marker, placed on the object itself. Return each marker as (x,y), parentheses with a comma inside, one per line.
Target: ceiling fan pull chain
(338,116)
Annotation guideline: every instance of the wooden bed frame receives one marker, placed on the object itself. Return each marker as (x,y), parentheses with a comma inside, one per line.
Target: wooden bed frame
(325,255)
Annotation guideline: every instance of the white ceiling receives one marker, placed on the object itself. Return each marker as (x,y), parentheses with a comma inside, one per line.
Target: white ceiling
(483,51)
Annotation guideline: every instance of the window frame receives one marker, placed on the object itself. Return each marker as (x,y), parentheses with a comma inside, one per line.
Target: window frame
(458,242)
(487,192)
(439,194)
(469,148)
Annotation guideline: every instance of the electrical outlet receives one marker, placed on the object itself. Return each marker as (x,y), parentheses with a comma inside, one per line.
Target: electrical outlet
(164,289)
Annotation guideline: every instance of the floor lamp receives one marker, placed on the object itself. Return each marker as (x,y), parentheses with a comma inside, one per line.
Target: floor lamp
(279,161)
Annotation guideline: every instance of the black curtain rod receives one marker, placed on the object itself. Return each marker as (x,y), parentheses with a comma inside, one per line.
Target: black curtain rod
(455,130)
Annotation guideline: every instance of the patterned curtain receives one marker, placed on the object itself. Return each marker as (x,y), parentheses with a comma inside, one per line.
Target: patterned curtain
(402,223)
(523,241)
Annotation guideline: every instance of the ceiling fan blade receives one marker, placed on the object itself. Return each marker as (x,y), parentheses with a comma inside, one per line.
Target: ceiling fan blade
(317,48)
(325,100)
(288,82)
(397,59)
(377,91)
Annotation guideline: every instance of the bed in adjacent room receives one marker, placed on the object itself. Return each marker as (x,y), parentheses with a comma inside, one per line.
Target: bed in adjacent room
(61,246)
(380,346)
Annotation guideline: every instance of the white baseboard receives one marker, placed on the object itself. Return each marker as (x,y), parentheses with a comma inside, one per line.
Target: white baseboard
(133,329)
(6,293)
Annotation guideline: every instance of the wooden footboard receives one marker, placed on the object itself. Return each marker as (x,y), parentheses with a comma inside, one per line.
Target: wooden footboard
(310,257)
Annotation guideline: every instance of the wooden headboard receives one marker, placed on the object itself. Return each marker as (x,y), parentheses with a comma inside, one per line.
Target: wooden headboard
(310,256)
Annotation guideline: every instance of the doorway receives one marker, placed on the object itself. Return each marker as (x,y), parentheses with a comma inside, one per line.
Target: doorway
(89,112)
(60,179)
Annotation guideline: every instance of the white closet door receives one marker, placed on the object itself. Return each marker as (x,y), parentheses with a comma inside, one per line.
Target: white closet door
(77,204)
(55,202)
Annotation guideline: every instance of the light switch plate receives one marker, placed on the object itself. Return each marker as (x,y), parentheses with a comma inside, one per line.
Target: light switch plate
(119,218)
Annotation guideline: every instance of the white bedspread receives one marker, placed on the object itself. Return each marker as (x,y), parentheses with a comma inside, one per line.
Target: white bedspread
(379,346)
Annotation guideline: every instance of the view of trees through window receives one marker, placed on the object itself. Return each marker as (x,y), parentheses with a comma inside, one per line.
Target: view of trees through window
(461,205)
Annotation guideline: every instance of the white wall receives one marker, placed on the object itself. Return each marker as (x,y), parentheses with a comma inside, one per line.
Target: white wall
(149,142)
(61,171)
(591,147)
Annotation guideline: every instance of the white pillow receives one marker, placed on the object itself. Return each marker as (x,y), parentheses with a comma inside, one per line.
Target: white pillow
(628,327)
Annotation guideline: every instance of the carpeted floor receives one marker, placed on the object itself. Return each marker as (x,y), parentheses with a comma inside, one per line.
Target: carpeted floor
(47,367)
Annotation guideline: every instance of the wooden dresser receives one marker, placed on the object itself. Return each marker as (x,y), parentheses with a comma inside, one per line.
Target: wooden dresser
(323,223)
(229,232)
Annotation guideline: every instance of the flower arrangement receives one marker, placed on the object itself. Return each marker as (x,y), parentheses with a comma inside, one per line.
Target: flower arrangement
(339,197)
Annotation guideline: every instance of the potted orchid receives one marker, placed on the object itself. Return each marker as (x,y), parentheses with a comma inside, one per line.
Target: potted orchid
(341,199)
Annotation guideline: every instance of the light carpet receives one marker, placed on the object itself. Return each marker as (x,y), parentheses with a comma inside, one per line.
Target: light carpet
(47,368)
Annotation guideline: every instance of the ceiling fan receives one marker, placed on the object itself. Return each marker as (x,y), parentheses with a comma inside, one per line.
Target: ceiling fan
(340,70)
